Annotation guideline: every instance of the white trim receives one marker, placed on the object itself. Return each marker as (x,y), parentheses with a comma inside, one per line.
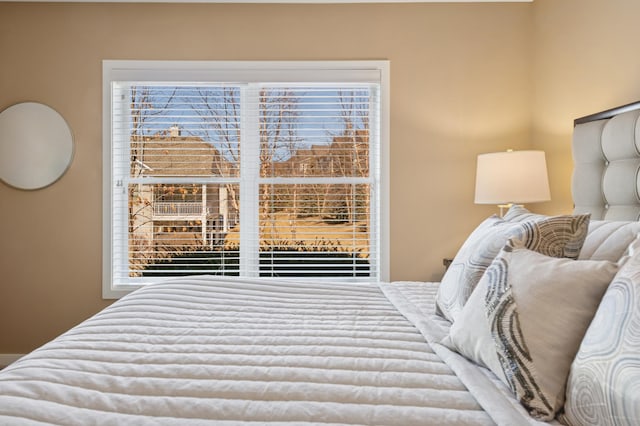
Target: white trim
(107,291)
(249,194)
(385,171)
(247,72)
(8,359)
(239,72)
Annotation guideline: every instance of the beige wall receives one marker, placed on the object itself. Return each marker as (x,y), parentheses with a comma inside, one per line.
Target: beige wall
(460,80)
(466,79)
(586,59)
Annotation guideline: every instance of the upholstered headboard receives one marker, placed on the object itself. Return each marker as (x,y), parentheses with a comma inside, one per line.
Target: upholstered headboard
(606,156)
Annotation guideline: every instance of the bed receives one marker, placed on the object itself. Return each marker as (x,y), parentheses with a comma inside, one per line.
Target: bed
(203,349)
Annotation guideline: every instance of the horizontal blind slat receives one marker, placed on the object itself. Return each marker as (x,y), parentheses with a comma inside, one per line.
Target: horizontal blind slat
(177,157)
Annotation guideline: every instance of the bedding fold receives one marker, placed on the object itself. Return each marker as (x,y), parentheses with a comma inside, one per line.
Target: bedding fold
(415,301)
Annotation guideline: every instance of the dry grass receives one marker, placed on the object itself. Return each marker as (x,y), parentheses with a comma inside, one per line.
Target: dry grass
(284,230)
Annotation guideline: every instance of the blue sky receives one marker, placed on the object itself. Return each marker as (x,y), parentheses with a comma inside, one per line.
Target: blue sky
(213,114)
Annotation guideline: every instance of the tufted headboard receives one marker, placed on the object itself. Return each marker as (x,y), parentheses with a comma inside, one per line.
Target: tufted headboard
(606,156)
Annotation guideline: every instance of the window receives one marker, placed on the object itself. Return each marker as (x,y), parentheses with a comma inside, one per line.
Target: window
(251,169)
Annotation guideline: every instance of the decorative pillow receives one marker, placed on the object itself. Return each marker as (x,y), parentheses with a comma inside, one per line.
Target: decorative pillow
(469,264)
(558,236)
(606,239)
(604,384)
(525,321)
(518,213)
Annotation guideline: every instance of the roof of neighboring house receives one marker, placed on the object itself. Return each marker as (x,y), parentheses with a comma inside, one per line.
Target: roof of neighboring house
(171,155)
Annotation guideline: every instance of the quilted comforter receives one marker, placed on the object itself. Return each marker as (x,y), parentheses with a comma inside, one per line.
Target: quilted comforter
(202,350)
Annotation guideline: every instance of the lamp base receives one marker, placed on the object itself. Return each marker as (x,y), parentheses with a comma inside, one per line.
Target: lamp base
(504,207)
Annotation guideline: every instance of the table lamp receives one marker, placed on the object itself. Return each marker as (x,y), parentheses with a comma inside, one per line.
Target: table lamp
(511,177)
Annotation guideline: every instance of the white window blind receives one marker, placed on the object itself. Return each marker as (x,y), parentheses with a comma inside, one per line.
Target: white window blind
(270,174)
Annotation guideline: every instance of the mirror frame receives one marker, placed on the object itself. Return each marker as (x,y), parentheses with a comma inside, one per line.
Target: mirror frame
(36,146)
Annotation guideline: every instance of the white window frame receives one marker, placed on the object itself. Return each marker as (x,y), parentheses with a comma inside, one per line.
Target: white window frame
(242,72)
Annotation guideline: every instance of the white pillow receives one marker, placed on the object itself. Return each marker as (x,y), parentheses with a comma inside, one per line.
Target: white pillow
(608,240)
(604,384)
(525,321)
(558,236)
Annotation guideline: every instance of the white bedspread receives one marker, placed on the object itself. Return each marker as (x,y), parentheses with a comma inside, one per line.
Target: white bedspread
(199,350)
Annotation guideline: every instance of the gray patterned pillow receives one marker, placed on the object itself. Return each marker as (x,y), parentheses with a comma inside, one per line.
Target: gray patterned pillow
(557,236)
(604,384)
(525,321)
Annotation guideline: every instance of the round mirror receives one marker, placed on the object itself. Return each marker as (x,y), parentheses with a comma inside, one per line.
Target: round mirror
(36,146)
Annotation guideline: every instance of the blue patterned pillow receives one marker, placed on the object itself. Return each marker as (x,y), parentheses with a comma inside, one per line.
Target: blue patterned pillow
(469,264)
(518,213)
(604,384)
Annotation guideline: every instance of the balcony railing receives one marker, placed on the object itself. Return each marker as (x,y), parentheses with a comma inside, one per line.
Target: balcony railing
(182,209)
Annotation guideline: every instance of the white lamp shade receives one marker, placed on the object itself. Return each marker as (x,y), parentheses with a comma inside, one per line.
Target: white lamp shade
(512,177)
